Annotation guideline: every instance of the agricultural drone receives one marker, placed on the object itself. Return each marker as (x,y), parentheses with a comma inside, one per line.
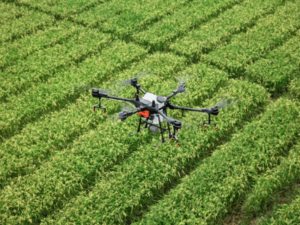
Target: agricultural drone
(152,110)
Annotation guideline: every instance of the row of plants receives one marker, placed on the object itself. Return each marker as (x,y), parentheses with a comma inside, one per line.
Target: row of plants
(143,178)
(10,52)
(284,214)
(160,35)
(294,88)
(221,180)
(19,21)
(278,67)
(21,153)
(139,16)
(100,13)
(46,63)
(273,181)
(220,29)
(9,12)
(268,33)
(54,95)
(76,168)
(62,8)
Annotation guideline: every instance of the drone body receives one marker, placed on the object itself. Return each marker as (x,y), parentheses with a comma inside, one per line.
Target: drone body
(153,110)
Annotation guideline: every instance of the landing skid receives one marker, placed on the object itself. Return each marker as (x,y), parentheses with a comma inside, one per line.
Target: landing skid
(162,130)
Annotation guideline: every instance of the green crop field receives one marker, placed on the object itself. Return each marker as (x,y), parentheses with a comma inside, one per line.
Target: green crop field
(62,163)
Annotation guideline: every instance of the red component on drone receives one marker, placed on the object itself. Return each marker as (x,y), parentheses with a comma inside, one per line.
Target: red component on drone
(144,114)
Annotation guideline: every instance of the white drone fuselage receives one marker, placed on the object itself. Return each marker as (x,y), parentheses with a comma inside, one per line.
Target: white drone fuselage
(151,97)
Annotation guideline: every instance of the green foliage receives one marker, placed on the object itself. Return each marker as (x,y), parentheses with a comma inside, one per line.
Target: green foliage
(21,48)
(209,192)
(285,214)
(161,34)
(61,163)
(272,182)
(62,8)
(144,176)
(268,33)
(219,29)
(77,167)
(16,21)
(140,15)
(294,88)
(56,94)
(46,63)
(278,68)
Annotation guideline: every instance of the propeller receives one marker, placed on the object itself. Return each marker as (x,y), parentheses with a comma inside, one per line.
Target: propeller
(117,87)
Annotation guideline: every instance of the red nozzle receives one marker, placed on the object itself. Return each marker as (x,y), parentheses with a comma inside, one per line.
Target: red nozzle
(177,145)
(171,139)
(215,128)
(204,127)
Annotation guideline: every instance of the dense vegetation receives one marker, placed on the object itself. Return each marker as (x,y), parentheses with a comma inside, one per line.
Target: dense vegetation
(61,163)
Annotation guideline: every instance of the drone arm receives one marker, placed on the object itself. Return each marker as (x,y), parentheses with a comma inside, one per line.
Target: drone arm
(175,123)
(180,89)
(141,89)
(97,94)
(123,115)
(213,110)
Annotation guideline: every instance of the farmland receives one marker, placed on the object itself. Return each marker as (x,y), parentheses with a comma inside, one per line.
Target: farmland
(62,163)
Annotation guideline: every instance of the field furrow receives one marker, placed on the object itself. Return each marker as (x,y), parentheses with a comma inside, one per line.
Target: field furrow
(21,48)
(284,214)
(209,192)
(22,22)
(278,67)
(269,184)
(294,88)
(99,14)
(60,92)
(24,152)
(141,15)
(72,170)
(142,178)
(9,12)
(62,8)
(46,63)
(268,33)
(159,35)
(220,29)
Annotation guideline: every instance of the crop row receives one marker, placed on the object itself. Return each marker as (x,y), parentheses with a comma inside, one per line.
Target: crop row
(209,192)
(271,182)
(9,12)
(139,16)
(46,63)
(294,88)
(24,22)
(55,94)
(278,68)
(73,169)
(123,193)
(220,29)
(62,8)
(160,35)
(125,16)
(22,153)
(268,33)
(285,214)
(21,48)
